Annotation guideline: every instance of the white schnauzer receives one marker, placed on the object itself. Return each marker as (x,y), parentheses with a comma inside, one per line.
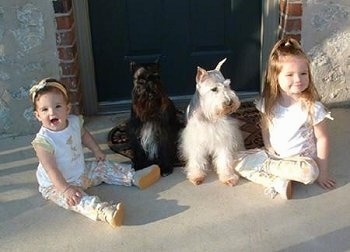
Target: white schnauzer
(211,135)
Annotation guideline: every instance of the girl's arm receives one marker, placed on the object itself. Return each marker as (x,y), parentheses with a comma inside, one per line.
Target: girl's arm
(48,161)
(322,146)
(266,138)
(89,141)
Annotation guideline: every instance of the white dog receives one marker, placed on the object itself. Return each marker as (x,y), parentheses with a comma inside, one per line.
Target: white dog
(212,135)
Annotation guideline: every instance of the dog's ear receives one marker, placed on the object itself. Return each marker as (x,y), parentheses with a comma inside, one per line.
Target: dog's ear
(217,68)
(133,66)
(202,74)
(157,64)
(227,82)
(156,61)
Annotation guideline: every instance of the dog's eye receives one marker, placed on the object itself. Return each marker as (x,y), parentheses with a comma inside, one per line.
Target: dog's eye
(214,89)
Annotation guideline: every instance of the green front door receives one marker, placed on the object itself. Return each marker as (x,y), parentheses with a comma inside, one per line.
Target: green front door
(182,35)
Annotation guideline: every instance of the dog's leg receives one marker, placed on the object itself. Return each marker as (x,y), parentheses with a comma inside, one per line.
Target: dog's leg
(168,138)
(164,159)
(224,164)
(140,159)
(194,152)
(196,167)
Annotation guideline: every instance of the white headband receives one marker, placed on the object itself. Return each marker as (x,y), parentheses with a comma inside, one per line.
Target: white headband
(46,83)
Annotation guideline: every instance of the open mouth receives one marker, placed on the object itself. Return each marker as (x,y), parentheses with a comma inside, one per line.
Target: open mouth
(54,120)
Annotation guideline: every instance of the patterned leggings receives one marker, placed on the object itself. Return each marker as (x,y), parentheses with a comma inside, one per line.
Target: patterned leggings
(94,174)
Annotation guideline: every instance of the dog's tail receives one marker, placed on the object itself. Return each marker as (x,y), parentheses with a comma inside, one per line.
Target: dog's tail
(217,68)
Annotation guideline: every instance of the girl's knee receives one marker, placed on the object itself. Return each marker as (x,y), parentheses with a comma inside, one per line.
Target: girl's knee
(310,171)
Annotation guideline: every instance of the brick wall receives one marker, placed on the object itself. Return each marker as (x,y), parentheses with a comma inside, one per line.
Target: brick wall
(290,18)
(289,25)
(67,51)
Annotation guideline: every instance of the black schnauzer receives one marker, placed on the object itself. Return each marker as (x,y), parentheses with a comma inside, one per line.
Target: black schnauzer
(153,127)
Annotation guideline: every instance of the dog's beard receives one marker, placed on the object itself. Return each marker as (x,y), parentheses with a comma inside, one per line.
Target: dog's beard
(229,108)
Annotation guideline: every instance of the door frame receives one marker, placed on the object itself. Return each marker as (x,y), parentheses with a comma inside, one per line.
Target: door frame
(91,106)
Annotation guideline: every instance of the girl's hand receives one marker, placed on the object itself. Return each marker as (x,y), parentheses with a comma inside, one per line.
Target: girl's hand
(89,141)
(100,156)
(325,181)
(73,195)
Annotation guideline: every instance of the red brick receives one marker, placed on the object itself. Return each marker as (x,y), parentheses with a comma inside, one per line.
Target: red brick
(65,37)
(71,82)
(75,97)
(293,25)
(293,9)
(69,68)
(64,22)
(67,53)
(290,24)
(62,6)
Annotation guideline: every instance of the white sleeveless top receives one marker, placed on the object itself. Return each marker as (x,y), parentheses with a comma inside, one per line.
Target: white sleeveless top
(67,148)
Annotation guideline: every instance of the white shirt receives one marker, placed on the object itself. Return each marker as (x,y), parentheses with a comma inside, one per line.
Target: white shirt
(67,148)
(291,132)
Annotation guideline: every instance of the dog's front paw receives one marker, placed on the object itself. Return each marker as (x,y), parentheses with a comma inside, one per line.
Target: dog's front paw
(165,170)
(197,181)
(232,181)
(166,173)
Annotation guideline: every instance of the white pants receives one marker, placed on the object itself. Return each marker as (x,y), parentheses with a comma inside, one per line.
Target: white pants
(258,166)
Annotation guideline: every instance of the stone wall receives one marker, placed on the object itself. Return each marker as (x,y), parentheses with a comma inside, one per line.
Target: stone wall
(27,53)
(326,38)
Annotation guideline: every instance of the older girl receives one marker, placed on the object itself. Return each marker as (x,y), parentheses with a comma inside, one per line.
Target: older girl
(293,124)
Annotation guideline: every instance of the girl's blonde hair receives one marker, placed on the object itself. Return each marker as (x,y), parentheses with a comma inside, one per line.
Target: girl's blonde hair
(271,91)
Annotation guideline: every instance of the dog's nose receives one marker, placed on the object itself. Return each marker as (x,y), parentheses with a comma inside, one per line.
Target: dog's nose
(228,102)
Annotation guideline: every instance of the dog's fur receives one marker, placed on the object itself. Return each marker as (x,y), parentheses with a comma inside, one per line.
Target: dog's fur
(153,127)
(211,136)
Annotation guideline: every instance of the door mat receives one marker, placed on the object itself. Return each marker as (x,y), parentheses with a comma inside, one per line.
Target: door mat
(247,115)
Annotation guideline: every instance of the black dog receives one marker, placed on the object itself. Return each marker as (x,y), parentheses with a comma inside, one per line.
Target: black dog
(153,126)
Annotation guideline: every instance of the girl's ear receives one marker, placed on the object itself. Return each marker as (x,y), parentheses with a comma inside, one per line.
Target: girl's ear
(69,108)
(37,115)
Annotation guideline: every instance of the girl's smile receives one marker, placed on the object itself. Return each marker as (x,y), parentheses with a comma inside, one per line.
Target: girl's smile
(55,121)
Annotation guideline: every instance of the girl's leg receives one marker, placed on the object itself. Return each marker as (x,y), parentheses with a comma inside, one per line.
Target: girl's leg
(120,174)
(249,166)
(301,169)
(147,176)
(89,206)
(109,172)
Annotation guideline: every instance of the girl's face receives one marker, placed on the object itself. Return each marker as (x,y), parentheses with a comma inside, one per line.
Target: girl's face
(294,76)
(52,111)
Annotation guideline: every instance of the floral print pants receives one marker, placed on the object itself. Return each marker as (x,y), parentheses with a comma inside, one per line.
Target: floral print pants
(94,174)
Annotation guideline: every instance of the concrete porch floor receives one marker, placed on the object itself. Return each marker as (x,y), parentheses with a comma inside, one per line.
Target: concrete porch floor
(173,214)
